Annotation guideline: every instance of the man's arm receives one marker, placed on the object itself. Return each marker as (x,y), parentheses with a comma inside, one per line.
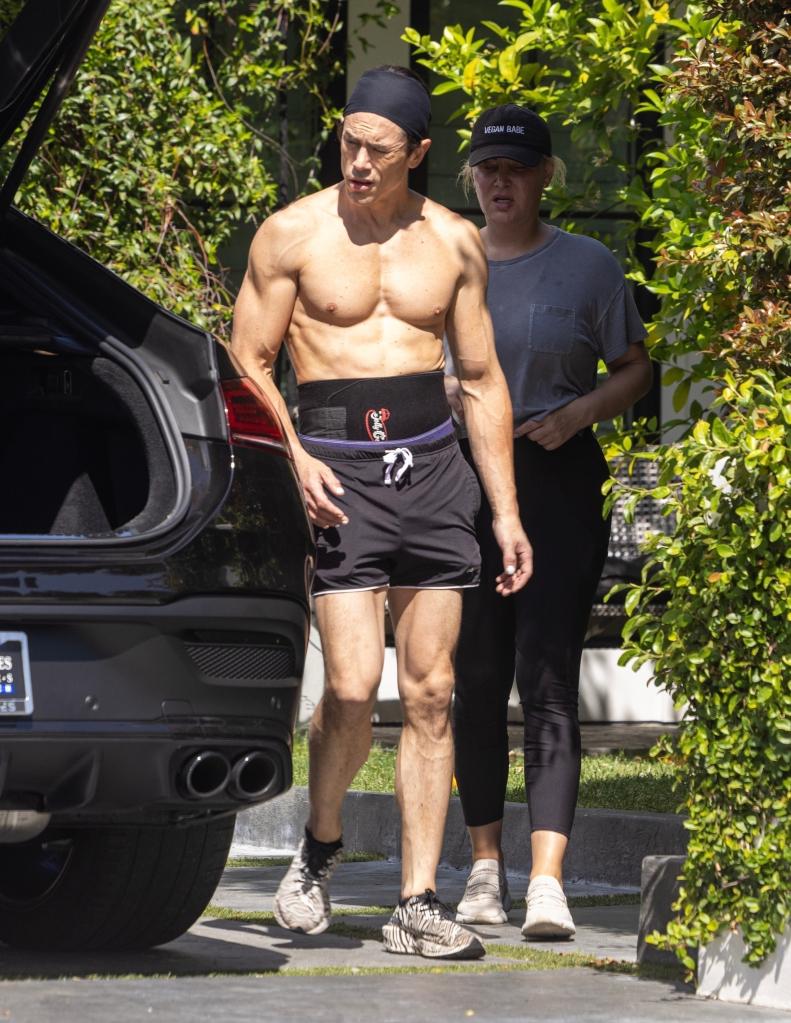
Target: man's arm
(487,410)
(629,379)
(261,318)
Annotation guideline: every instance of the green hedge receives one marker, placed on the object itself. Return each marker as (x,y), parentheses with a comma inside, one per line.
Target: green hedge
(722,646)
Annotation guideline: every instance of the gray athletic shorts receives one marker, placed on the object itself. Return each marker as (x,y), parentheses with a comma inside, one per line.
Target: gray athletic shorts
(411,506)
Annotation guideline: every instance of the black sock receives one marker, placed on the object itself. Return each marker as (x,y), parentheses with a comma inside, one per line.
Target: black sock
(428,895)
(319,852)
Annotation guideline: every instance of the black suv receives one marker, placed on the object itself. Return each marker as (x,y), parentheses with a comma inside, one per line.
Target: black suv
(155,561)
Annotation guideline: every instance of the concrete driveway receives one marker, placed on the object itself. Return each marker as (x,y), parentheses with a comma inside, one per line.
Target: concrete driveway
(237,965)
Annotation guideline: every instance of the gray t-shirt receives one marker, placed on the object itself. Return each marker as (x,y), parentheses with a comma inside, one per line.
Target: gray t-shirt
(556,311)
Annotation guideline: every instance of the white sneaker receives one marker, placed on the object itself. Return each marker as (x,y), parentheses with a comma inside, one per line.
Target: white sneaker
(486,899)
(547,910)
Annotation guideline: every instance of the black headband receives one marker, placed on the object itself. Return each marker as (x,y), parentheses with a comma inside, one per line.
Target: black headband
(399,98)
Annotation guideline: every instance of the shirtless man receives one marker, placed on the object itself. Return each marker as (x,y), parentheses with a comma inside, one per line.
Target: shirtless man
(362,280)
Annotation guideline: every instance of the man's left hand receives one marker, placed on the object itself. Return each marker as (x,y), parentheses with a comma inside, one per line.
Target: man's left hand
(555,429)
(453,396)
(517,556)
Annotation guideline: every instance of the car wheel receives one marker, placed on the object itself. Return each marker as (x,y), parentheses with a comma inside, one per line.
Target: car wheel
(109,888)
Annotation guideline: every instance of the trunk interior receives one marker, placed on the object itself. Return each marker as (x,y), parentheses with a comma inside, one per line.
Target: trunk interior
(81,451)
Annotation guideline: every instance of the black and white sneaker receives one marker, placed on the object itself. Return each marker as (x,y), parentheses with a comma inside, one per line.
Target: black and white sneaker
(302,900)
(423,926)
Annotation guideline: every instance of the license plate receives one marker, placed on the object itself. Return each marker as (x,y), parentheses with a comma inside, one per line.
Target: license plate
(16,694)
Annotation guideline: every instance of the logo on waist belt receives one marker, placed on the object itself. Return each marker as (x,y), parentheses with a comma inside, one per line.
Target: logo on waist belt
(375,419)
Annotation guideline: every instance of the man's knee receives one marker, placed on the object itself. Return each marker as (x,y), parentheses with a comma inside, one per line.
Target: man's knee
(350,698)
(426,699)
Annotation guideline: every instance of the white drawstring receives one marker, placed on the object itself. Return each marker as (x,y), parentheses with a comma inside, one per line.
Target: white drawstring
(390,458)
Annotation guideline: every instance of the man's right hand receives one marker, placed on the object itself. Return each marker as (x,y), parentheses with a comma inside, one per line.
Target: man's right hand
(316,479)
(517,555)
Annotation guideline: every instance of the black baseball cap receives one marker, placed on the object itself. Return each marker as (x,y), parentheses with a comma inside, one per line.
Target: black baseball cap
(510,131)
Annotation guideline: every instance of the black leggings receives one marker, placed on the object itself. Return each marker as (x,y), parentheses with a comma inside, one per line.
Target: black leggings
(536,635)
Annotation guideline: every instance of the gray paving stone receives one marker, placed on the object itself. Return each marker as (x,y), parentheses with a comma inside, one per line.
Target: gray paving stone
(604,931)
(174,985)
(220,945)
(375,883)
(546,996)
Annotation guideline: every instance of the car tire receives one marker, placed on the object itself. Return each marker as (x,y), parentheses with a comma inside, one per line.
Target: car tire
(109,888)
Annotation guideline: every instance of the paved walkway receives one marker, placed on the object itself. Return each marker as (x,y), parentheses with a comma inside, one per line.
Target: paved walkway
(166,983)
(559,996)
(609,931)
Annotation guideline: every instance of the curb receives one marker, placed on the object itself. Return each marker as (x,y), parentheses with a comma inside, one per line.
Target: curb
(606,847)
(658,892)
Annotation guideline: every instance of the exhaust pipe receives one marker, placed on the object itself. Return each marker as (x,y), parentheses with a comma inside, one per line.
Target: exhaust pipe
(205,774)
(253,775)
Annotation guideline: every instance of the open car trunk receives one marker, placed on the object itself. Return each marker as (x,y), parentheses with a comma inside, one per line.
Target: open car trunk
(103,395)
(81,452)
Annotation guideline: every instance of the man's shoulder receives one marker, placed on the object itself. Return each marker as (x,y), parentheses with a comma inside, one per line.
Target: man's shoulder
(283,233)
(441,215)
(301,212)
(453,228)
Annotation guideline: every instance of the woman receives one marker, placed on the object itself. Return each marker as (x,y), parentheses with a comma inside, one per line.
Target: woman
(559,304)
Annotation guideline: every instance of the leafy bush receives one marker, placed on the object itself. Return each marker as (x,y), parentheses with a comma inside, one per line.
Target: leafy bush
(720,196)
(175,133)
(720,202)
(722,646)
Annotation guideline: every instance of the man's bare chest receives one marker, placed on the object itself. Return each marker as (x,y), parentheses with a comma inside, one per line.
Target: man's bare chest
(410,279)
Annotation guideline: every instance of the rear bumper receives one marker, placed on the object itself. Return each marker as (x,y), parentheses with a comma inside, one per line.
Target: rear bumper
(138,778)
(125,696)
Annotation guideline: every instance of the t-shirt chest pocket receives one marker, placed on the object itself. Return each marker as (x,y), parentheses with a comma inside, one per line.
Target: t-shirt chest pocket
(550,329)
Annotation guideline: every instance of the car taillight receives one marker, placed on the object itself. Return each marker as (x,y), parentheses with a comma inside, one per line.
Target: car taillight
(251,419)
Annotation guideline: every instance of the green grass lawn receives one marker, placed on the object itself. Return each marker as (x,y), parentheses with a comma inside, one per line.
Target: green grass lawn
(621,781)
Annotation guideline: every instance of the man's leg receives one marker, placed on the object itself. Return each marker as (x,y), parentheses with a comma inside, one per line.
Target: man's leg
(426,628)
(426,624)
(351,626)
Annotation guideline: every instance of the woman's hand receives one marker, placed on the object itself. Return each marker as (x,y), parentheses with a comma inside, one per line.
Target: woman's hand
(554,430)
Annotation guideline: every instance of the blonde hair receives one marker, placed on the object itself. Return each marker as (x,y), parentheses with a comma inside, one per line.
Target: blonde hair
(465,176)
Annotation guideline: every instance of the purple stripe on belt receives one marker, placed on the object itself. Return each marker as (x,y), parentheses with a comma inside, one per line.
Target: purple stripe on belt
(443,430)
